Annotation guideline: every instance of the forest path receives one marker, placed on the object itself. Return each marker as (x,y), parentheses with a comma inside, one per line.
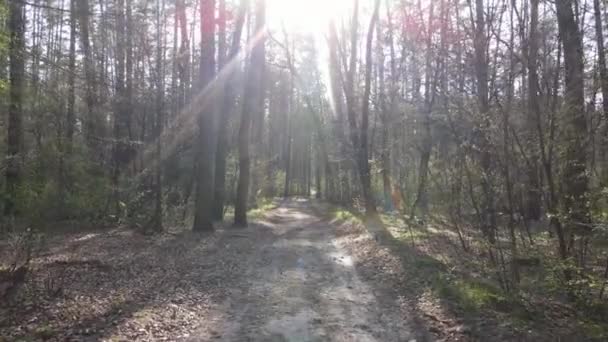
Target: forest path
(302,286)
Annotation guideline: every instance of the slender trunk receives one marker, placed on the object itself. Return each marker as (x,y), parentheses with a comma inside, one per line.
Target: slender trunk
(364,167)
(318,181)
(337,84)
(221,35)
(427,143)
(533,196)
(385,118)
(15,109)
(507,157)
(485,159)
(203,219)
(175,91)
(228,99)
(128,110)
(288,157)
(601,61)
(156,223)
(288,148)
(349,86)
(71,114)
(575,179)
(93,129)
(119,100)
(254,105)
(183,62)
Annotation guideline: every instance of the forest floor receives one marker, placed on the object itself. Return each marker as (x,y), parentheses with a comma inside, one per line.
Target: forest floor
(299,273)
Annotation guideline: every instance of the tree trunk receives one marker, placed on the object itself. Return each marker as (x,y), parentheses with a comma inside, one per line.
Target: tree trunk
(93,129)
(364,167)
(427,143)
(575,180)
(336,83)
(203,219)
(221,35)
(288,154)
(183,63)
(156,223)
(15,110)
(514,269)
(601,61)
(481,70)
(385,118)
(128,111)
(349,87)
(228,99)
(119,100)
(71,114)
(533,196)
(253,106)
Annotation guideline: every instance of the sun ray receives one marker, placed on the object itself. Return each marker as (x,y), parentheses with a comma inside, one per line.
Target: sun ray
(305,16)
(184,124)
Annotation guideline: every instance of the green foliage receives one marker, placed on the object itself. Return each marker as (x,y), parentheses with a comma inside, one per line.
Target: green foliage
(279,181)
(344,215)
(48,192)
(599,200)
(4,37)
(595,330)
(264,205)
(471,295)
(44,332)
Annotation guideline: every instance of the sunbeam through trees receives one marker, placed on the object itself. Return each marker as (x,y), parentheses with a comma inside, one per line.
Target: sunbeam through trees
(454,153)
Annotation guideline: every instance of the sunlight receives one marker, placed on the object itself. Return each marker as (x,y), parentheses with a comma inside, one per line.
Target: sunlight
(309,17)
(305,16)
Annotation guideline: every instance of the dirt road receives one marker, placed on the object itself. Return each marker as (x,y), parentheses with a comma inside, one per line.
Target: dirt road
(302,286)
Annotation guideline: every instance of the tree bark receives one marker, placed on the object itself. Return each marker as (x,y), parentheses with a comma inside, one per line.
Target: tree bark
(156,223)
(203,218)
(533,196)
(427,143)
(119,100)
(16,27)
(93,129)
(575,180)
(488,223)
(228,98)
(71,114)
(289,129)
(364,167)
(128,111)
(183,63)
(337,97)
(601,61)
(385,116)
(253,106)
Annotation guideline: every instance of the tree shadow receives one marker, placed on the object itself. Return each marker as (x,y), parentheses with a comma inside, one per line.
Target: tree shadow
(148,286)
(466,305)
(313,294)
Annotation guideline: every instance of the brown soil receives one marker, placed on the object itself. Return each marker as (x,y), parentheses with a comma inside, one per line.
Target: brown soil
(289,277)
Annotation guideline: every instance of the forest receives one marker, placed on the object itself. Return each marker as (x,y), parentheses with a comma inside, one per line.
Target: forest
(303,170)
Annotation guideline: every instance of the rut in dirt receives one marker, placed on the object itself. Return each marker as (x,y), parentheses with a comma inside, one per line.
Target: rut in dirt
(303,286)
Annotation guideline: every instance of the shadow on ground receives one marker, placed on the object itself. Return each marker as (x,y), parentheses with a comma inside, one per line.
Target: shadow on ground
(123,285)
(453,305)
(304,287)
